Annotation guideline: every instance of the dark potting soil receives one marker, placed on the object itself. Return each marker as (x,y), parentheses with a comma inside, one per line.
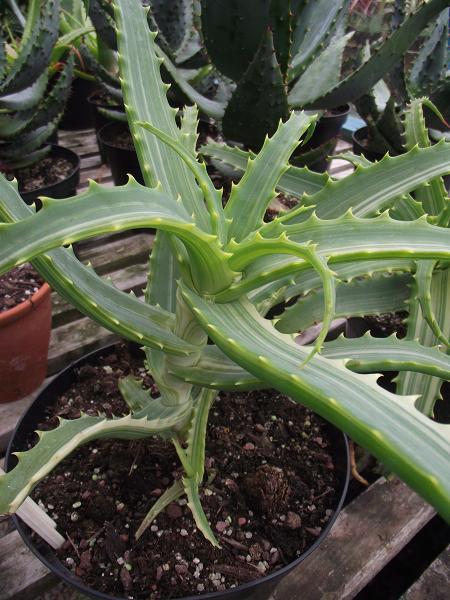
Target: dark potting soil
(102,98)
(18,285)
(269,490)
(387,324)
(121,139)
(48,171)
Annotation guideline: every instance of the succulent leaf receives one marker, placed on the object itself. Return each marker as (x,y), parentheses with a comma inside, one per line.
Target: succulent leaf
(259,101)
(389,426)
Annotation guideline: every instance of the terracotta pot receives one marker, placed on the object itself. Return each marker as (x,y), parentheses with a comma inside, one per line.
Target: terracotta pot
(24,340)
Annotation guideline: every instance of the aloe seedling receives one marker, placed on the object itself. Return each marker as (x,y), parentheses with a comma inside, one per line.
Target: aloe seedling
(33,90)
(215,271)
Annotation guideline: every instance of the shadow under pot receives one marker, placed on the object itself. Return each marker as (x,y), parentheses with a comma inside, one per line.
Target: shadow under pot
(55,176)
(257,589)
(98,101)
(117,143)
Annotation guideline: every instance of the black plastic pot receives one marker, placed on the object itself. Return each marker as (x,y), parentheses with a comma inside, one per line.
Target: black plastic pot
(315,152)
(63,189)
(328,127)
(256,590)
(99,119)
(77,114)
(121,160)
(361,147)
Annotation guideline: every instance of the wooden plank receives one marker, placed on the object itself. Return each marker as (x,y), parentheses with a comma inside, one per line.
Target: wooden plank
(118,254)
(133,278)
(369,532)
(23,577)
(11,412)
(434,583)
(73,340)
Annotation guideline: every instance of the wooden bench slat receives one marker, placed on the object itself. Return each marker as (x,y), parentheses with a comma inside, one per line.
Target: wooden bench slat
(367,534)
(23,577)
(118,254)
(434,583)
(370,531)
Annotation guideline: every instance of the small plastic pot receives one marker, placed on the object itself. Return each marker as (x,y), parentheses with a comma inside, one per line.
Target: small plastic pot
(361,147)
(260,589)
(99,119)
(24,340)
(62,189)
(77,114)
(121,160)
(328,127)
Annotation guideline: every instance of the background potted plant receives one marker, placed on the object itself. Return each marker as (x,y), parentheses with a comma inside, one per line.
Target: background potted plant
(34,87)
(279,58)
(215,272)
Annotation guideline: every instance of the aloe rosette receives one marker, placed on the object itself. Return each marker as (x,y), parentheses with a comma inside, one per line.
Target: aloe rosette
(215,271)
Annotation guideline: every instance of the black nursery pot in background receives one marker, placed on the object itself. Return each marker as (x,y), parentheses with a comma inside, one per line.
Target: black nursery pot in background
(259,589)
(97,100)
(117,144)
(361,145)
(62,189)
(323,141)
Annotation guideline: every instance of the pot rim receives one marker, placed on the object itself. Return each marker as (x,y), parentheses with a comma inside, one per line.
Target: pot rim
(344,109)
(121,125)
(91,101)
(76,161)
(68,577)
(22,309)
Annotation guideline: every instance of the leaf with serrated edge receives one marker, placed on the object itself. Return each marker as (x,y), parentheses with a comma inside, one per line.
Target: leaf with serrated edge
(389,426)
(56,444)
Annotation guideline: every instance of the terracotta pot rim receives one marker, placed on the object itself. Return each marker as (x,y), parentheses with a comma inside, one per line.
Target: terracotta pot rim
(22,309)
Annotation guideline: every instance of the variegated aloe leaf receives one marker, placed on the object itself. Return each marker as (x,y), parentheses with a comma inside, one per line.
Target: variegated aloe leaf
(215,370)
(340,240)
(360,297)
(429,317)
(158,163)
(362,355)
(250,198)
(426,386)
(382,182)
(121,313)
(389,426)
(102,210)
(295,181)
(56,444)
(369,354)
(287,288)
(195,455)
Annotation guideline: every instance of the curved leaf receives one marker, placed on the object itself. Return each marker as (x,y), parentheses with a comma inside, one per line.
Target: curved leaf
(368,354)
(389,426)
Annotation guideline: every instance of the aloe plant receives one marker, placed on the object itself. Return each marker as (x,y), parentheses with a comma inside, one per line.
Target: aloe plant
(383,106)
(35,78)
(279,56)
(214,272)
